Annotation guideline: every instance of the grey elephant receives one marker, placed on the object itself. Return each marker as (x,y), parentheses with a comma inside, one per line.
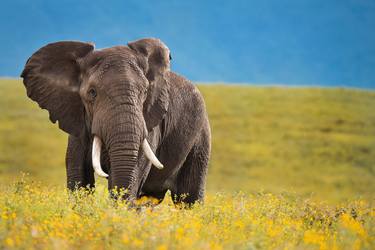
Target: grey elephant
(124,111)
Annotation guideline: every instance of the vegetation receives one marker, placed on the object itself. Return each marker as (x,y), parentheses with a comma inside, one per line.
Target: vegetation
(33,216)
(290,168)
(317,142)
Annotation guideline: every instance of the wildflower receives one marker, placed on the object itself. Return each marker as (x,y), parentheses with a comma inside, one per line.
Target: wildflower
(180,233)
(137,243)
(353,225)
(313,237)
(125,239)
(162,247)
(9,242)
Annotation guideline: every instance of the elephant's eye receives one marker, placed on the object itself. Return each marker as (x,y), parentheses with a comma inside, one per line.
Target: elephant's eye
(91,93)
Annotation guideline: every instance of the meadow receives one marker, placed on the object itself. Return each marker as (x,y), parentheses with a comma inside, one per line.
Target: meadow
(291,168)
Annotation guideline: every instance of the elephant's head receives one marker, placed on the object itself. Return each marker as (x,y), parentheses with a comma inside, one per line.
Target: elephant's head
(117,94)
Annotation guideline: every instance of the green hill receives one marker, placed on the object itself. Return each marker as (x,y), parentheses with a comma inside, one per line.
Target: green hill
(308,141)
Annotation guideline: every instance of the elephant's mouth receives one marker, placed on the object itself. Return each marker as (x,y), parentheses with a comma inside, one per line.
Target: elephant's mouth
(96,151)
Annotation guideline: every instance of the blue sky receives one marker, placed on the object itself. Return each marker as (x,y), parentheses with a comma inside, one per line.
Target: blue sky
(296,42)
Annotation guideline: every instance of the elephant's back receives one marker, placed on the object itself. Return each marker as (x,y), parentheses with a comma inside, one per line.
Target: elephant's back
(178,82)
(183,91)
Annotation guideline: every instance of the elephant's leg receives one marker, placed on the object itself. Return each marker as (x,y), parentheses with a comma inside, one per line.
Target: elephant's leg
(78,166)
(191,178)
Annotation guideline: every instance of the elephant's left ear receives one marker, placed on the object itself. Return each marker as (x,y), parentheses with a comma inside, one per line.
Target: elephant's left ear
(154,59)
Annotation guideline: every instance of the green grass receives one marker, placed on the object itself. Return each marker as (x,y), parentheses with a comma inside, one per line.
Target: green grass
(314,142)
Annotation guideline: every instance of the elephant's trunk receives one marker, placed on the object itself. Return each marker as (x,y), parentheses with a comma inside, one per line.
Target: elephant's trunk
(123,157)
(123,134)
(96,150)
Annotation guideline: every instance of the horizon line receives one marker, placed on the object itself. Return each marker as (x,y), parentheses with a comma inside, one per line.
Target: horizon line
(283,85)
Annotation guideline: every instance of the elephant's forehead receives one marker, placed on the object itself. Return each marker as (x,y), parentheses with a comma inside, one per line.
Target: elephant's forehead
(113,52)
(101,62)
(114,55)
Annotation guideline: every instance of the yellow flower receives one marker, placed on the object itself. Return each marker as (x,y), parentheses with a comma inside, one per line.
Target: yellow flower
(125,239)
(215,246)
(353,225)
(162,247)
(9,242)
(180,233)
(137,243)
(357,244)
(314,237)
(274,231)
(240,224)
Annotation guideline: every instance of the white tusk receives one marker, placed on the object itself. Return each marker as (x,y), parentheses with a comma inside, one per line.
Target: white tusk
(96,148)
(150,155)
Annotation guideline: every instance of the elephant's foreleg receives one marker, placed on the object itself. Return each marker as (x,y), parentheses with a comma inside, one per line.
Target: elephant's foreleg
(78,166)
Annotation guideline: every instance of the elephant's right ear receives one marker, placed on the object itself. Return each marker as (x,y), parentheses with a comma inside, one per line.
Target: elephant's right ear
(52,79)
(156,64)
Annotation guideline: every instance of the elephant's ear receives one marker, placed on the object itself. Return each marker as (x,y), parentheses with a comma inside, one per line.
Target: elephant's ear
(51,77)
(155,62)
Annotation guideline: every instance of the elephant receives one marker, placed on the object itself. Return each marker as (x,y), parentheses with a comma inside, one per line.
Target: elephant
(130,119)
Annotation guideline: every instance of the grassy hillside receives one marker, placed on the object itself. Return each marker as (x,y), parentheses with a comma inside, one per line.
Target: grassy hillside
(304,140)
(309,141)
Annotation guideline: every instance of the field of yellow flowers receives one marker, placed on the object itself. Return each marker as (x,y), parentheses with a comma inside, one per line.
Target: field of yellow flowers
(35,217)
